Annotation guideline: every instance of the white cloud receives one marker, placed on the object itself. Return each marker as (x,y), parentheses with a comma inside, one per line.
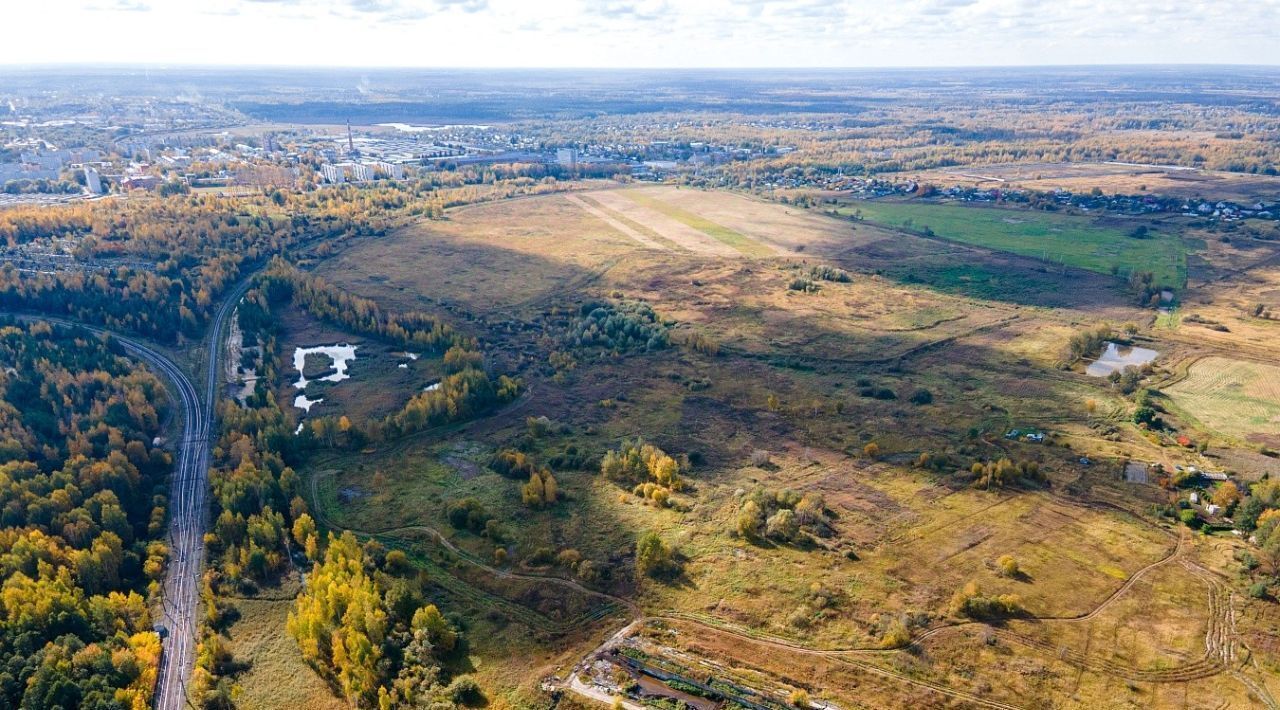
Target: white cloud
(644,33)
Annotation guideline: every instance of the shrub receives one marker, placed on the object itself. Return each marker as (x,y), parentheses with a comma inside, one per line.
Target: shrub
(971,602)
(654,558)
(468,514)
(896,636)
(1008,566)
(1147,416)
(464,690)
(922,396)
(830,273)
(783,525)
(750,520)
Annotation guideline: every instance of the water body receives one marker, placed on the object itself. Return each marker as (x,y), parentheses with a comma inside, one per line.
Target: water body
(411,128)
(340,354)
(305,404)
(1117,358)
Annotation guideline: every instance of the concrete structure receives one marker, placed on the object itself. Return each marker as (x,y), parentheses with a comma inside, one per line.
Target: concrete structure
(337,173)
(568,157)
(92,180)
(385,169)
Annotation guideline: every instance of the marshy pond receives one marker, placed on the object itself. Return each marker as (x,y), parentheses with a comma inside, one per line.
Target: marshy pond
(1117,358)
(339,355)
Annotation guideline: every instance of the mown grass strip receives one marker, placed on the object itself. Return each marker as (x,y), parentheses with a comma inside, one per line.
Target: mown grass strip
(720,233)
(650,233)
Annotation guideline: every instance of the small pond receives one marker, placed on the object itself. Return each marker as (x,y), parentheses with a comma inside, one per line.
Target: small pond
(1117,358)
(305,404)
(341,354)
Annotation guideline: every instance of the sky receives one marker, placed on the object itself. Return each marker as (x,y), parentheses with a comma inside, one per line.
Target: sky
(641,33)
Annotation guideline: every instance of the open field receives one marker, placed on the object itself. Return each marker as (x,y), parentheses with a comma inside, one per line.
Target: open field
(1235,398)
(1064,239)
(488,257)
(719,232)
(982,332)
(1111,178)
(277,678)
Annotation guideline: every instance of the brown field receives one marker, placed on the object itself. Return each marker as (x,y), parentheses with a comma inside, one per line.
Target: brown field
(1112,178)
(1109,617)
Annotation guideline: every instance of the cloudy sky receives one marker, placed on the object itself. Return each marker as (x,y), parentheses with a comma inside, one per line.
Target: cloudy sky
(641,33)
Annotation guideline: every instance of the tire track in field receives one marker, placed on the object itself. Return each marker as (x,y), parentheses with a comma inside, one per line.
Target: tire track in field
(670,228)
(617,224)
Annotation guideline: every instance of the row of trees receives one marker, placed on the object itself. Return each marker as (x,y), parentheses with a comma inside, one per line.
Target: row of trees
(417,331)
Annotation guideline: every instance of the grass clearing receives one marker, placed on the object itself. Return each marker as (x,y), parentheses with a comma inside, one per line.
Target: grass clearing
(737,240)
(277,675)
(1064,239)
(1236,398)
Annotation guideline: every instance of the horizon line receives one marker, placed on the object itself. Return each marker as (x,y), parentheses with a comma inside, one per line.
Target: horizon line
(552,68)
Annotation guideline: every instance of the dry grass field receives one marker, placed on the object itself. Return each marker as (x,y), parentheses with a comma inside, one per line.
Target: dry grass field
(1235,398)
(1111,178)
(1112,610)
(277,678)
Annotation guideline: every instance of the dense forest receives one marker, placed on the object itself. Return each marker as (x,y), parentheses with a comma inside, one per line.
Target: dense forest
(81,514)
